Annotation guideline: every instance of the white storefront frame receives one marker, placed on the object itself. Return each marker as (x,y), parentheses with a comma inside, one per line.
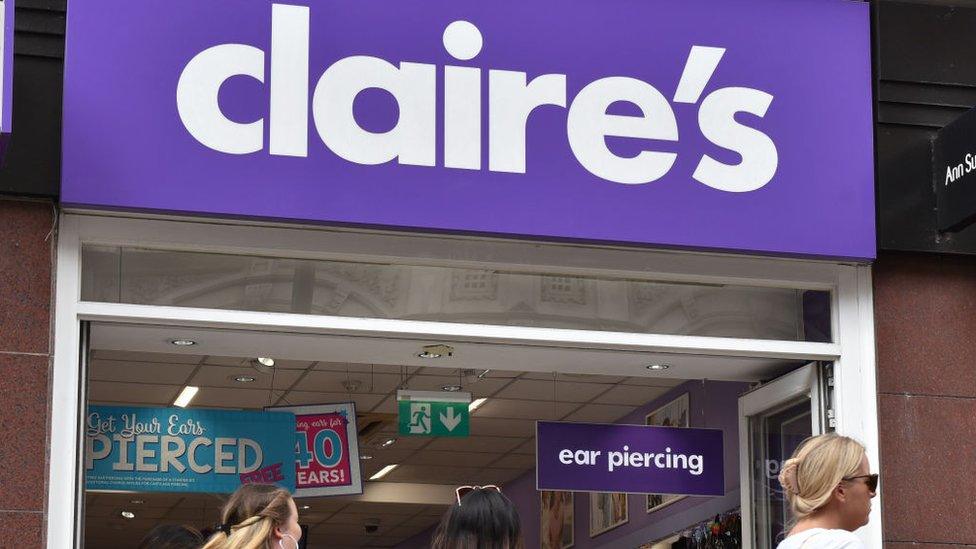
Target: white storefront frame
(852,351)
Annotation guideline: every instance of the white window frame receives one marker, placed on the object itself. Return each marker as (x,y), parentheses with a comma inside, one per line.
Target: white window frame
(851,308)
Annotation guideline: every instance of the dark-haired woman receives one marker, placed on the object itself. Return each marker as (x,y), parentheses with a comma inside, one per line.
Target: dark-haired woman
(258,516)
(483,518)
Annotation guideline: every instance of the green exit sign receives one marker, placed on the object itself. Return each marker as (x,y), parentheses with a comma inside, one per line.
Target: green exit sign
(433,413)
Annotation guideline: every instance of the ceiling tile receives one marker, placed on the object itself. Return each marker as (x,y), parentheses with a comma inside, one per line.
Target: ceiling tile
(363,401)
(322,505)
(599,413)
(653,380)
(386,406)
(154,499)
(449,475)
(226,397)
(402,443)
(224,360)
(144,393)
(365,368)
(490,426)
(397,509)
(548,391)
(336,382)
(525,409)
(527,448)
(474,444)
(293,364)
(141,372)
(573,378)
(634,395)
(485,387)
(515,461)
(222,376)
(138,356)
(450,459)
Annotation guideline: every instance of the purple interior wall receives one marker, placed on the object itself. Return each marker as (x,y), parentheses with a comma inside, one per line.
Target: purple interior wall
(711,404)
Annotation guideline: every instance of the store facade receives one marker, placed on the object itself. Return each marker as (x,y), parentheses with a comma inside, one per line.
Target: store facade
(687,215)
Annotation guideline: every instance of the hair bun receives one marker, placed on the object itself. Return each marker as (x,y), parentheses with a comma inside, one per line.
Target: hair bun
(787,477)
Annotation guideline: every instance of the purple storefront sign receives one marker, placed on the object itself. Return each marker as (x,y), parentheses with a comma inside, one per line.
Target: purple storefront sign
(702,124)
(634,459)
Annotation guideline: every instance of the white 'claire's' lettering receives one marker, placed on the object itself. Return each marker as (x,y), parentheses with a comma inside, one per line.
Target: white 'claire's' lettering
(512,98)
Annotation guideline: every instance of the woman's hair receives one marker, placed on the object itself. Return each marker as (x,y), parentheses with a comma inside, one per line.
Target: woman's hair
(250,516)
(172,536)
(818,465)
(484,519)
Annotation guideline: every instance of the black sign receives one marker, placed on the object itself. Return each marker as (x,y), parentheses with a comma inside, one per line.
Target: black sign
(954,172)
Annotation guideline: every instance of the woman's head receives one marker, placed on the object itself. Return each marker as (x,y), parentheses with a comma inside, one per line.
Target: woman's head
(482,519)
(829,473)
(172,536)
(258,516)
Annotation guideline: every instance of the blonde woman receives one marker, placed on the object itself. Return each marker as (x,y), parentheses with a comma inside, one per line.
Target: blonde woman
(829,486)
(258,516)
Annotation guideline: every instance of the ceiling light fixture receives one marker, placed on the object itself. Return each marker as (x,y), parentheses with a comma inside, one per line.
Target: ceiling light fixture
(384,471)
(137,501)
(476,403)
(658,366)
(387,443)
(244,379)
(305,507)
(182,342)
(186,395)
(436,351)
(128,515)
(266,361)
(451,388)
(365,457)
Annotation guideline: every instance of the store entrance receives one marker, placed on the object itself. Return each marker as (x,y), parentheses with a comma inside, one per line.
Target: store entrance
(409,479)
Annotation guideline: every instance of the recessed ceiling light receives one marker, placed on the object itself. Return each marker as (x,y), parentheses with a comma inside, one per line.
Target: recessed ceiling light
(388,442)
(244,379)
(658,366)
(384,471)
(451,388)
(305,507)
(266,361)
(128,515)
(476,403)
(365,457)
(186,395)
(137,501)
(182,342)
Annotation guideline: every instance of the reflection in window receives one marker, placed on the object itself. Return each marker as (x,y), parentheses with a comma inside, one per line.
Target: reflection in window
(446,294)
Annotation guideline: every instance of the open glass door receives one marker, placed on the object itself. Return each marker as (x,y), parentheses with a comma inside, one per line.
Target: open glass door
(773,420)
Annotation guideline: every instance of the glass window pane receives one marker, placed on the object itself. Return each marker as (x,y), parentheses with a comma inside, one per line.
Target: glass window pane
(446,294)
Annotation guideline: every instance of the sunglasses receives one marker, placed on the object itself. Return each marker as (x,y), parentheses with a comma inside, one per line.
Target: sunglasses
(465,490)
(870,480)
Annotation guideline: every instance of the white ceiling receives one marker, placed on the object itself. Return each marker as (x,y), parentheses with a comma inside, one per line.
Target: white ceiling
(304,348)
(136,365)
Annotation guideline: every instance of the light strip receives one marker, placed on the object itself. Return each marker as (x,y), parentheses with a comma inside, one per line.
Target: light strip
(384,471)
(186,395)
(476,403)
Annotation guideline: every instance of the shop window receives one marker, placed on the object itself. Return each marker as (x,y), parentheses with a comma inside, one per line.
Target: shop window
(447,294)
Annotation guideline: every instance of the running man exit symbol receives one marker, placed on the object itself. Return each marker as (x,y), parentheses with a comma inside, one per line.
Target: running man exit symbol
(433,413)
(420,418)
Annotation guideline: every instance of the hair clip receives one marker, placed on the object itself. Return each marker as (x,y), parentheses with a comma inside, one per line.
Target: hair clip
(225,528)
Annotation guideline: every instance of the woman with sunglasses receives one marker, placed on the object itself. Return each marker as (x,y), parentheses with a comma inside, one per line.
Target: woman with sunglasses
(829,487)
(483,518)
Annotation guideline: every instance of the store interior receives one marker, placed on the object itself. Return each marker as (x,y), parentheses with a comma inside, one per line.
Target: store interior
(512,386)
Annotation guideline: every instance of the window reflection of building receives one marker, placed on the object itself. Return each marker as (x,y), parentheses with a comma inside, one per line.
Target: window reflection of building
(446,294)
